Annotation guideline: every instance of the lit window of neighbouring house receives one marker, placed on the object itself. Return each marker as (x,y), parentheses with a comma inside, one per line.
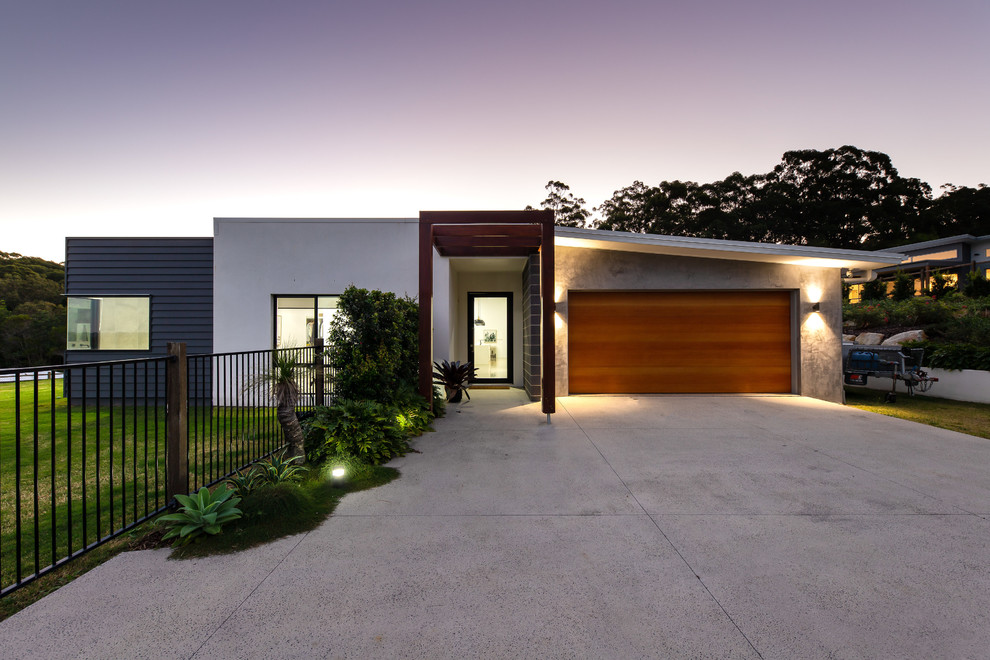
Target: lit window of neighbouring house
(108,323)
(301,319)
(933,256)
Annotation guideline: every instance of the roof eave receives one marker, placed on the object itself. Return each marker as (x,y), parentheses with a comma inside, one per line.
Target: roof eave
(706,248)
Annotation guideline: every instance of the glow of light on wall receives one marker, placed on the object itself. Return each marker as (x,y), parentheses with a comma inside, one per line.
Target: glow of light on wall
(814,293)
(558,322)
(558,293)
(814,323)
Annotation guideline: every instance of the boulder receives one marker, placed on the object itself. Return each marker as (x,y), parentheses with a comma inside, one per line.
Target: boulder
(869,338)
(900,338)
(848,339)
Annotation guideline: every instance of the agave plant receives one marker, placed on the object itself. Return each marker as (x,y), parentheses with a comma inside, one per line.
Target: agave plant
(201,513)
(244,482)
(455,377)
(278,468)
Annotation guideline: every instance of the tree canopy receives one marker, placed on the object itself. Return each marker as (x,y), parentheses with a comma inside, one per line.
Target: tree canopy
(841,198)
(568,210)
(32,311)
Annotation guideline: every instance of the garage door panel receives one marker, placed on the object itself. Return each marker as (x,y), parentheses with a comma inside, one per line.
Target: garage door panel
(738,341)
(621,338)
(683,379)
(621,331)
(701,356)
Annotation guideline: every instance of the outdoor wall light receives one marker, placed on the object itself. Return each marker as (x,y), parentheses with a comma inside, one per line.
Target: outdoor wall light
(816,307)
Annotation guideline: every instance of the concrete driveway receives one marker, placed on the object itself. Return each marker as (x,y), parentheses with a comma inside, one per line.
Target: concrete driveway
(774,527)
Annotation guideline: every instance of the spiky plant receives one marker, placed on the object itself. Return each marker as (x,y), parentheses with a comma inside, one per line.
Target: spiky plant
(281,381)
(455,377)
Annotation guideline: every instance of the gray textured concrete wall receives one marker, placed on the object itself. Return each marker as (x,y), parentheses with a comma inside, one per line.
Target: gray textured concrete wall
(817,359)
(531,311)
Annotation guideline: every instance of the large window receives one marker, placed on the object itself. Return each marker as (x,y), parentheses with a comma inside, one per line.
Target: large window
(299,320)
(933,256)
(108,323)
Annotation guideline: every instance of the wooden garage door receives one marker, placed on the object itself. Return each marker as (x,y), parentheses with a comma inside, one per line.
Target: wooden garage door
(679,341)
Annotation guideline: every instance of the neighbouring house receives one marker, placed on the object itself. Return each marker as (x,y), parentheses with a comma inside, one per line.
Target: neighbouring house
(954,257)
(554,310)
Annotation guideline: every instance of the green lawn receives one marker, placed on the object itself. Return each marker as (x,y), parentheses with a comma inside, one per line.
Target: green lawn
(962,416)
(99,470)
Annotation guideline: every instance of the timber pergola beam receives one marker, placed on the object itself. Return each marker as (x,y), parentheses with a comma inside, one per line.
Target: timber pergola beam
(486,234)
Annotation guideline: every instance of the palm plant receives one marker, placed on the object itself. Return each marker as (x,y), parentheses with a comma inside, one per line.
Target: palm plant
(281,380)
(455,377)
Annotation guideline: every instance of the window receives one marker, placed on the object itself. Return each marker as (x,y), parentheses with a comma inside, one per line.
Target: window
(301,319)
(933,256)
(108,323)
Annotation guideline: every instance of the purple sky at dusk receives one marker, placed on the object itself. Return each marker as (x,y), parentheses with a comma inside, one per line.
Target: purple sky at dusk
(150,118)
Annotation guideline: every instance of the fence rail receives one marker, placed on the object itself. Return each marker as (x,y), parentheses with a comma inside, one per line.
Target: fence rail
(90,450)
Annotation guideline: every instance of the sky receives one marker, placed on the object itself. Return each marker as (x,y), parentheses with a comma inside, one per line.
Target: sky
(124,118)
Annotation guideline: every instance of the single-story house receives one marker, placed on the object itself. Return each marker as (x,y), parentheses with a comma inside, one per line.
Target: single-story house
(954,257)
(554,310)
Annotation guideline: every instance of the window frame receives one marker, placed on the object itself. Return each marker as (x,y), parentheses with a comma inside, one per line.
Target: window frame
(316,314)
(102,296)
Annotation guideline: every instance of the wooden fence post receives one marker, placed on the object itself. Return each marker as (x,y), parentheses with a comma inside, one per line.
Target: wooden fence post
(318,370)
(176,413)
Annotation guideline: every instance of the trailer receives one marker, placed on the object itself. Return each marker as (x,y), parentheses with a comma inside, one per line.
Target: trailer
(860,363)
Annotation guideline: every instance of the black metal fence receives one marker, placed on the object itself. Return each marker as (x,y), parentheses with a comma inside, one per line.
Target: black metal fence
(90,450)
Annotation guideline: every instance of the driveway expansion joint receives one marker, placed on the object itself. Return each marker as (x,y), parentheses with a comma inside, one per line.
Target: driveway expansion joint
(667,538)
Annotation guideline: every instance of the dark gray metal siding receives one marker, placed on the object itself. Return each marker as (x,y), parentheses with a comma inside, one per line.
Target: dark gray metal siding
(177,273)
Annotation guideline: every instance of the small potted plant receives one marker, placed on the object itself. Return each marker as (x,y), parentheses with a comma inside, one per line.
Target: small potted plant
(455,377)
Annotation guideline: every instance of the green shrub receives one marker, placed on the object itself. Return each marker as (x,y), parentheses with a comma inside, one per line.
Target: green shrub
(903,286)
(875,290)
(923,310)
(954,355)
(919,311)
(863,315)
(201,513)
(977,285)
(940,286)
(274,502)
(375,339)
(967,329)
(368,430)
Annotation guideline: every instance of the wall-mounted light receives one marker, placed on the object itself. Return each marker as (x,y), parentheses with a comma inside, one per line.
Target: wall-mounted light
(816,307)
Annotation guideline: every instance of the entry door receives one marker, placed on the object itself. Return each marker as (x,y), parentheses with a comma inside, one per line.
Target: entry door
(489,333)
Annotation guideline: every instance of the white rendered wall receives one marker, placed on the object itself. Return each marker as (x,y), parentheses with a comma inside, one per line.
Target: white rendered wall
(256,258)
(960,385)
(441,307)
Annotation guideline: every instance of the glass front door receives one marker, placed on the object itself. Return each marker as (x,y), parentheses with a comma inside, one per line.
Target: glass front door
(490,336)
